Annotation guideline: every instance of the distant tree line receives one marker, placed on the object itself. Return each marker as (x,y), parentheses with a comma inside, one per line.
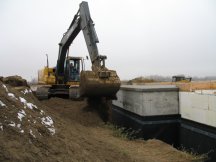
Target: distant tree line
(159,78)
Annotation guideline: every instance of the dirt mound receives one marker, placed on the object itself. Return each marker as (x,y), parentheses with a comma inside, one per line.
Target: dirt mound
(15,81)
(140,80)
(78,112)
(23,124)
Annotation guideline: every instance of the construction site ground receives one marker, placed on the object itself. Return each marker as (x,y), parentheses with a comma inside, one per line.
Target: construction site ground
(64,130)
(87,138)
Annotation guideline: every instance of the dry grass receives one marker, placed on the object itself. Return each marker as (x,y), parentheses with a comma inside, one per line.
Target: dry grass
(190,86)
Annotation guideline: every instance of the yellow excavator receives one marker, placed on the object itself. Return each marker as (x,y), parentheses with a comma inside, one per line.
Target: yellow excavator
(69,78)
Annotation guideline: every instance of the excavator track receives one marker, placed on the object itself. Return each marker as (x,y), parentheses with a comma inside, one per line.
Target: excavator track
(42,93)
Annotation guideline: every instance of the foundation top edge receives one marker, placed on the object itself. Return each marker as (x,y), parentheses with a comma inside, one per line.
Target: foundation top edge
(149,88)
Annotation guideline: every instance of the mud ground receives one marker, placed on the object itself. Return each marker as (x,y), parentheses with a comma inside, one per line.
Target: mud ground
(87,138)
(62,130)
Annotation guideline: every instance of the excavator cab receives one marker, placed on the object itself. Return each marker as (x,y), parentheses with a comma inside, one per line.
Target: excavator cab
(73,67)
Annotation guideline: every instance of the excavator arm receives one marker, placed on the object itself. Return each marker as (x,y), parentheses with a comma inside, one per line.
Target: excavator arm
(64,45)
(82,21)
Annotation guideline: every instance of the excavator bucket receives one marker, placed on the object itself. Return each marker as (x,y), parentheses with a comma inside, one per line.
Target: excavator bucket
(99,84)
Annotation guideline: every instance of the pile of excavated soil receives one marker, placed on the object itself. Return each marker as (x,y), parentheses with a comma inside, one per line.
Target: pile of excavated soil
(15,81)
(24,126)
(65,130)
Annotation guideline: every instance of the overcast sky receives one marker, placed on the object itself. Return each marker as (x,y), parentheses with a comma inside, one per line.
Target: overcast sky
(139,37)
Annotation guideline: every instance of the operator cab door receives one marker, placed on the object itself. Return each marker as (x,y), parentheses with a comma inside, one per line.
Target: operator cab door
(73,70)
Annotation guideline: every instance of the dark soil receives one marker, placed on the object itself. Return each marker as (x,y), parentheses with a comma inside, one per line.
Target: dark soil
(79,133)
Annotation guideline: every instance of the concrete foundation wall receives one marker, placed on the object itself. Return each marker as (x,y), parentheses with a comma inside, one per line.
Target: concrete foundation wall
(148,101)
(154,111)
(200,108)
(166,100)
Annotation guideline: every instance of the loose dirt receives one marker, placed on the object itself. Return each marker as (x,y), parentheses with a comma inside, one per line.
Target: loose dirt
(65,130)
(97,142)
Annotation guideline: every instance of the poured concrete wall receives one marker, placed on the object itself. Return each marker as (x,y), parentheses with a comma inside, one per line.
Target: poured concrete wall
(200,108)
(148,100)
(147,103)
(166,100)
